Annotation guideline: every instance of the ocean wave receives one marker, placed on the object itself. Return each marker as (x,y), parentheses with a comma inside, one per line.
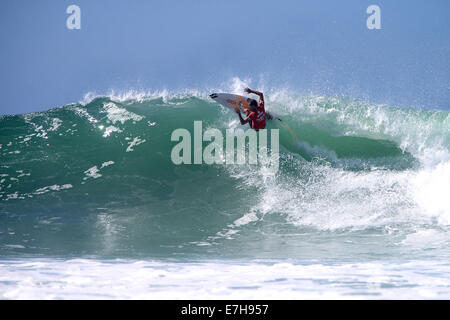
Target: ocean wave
(102,168)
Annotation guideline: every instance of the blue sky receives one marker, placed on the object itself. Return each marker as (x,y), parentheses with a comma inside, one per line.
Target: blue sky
(321,47)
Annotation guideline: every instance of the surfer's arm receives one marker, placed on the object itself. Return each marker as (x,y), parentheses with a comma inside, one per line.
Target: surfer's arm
(260,94)
(243,121)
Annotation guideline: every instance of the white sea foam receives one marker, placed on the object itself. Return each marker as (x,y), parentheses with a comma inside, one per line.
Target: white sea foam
(54,187)
(93,173)
(109,130)
(136,141)
(430,188)
(107,163)
(114,113)
(83,113)
(93,279)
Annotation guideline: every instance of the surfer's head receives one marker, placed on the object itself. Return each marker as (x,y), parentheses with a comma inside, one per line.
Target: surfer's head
(253,104)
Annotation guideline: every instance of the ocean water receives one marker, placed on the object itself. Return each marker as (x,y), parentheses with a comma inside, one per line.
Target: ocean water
(92,207)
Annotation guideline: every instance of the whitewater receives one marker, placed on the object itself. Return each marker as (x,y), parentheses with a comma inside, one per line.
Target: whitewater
(92,207)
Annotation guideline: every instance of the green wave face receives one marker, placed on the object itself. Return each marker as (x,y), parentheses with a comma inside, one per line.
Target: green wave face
(97,178)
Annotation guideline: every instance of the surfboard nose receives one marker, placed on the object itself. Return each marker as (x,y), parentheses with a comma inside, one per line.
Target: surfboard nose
(213,95)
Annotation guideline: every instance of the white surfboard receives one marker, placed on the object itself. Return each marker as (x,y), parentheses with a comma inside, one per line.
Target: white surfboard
(232,101)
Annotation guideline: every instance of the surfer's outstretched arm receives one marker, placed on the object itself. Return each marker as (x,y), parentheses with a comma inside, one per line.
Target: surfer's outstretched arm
(260,94)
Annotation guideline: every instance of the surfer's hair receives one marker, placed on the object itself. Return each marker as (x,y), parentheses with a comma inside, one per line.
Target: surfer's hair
(253,104)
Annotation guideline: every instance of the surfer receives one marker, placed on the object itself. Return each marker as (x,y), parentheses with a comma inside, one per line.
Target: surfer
(256,114)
